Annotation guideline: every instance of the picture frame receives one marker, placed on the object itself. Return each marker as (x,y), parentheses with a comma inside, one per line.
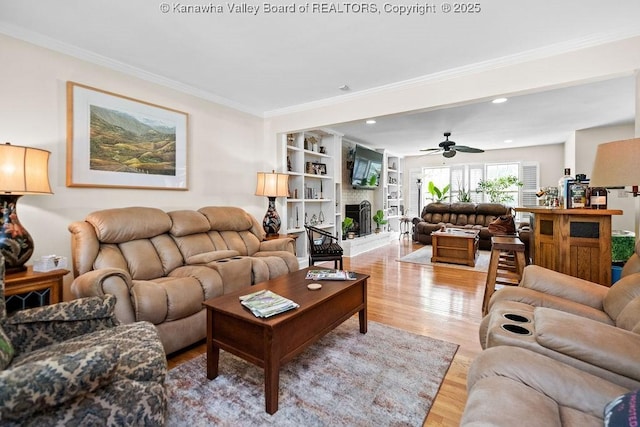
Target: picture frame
(320,168)
(114,141)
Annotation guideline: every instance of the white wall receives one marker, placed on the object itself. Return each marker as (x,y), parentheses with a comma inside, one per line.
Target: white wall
(587,141)
(225,147)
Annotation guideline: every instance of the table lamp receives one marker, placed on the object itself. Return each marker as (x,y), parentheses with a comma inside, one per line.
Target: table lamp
(23,171)
(617,164)
(272,185)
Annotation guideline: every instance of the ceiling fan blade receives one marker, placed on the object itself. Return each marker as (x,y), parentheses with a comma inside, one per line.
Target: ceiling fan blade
(431,149)
(465,149)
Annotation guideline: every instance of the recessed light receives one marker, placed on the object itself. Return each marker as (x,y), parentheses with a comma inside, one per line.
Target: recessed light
(508,141)
(370,122)
(344,88)
(499,100)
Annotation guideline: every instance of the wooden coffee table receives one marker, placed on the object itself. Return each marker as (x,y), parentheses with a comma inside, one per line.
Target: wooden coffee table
(272,342)
(456,246)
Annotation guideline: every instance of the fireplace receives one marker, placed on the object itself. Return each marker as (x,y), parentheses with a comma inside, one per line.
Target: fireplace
(361,216)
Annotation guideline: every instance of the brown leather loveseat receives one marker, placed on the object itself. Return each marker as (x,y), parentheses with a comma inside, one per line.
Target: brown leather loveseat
(457,215)
(161,266)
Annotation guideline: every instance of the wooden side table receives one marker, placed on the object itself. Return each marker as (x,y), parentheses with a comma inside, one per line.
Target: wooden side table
(28,288)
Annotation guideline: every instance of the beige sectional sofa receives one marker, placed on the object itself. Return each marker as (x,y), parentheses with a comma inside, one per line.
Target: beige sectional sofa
(558,350)
(161,266)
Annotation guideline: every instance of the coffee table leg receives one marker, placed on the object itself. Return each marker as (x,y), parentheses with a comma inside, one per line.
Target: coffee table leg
(362,314)
(271,374)
(213,351)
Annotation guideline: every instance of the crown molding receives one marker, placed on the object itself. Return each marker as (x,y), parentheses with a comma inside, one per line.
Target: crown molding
(529,55)
(93,58)
(466,70)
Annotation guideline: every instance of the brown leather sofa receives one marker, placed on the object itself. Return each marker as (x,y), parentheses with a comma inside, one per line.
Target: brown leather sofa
(457,215)
(161,266)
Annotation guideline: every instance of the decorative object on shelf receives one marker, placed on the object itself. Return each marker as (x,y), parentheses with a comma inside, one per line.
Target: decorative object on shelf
(291,139)
(321,218)
(320,168)
(616,165)
(117,141)
(314,219)
(378,218)
(323,149)
(321,192)
(289,165)
(297,218)
(272,185)
(23,171)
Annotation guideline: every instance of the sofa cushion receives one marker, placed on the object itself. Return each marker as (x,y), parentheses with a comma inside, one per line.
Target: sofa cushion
(187,222)
(620,294)
(34,386)
(125,224)
(6,350)
(629,317)
(166,298)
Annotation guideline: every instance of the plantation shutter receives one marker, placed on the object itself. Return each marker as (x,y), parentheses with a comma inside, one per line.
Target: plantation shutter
(530,180)
(476,174)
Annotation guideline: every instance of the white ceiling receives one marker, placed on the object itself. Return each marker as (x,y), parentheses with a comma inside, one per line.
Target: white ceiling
(268,62)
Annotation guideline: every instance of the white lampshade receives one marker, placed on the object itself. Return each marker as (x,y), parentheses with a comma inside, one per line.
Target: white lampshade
(617,164)
(24,170)
(271,184)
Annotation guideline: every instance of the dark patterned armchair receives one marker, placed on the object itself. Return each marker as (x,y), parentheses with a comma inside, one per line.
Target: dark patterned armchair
(72,364)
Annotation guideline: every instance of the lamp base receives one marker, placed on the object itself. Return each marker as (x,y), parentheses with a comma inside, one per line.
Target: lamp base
(16,244)
(271,222)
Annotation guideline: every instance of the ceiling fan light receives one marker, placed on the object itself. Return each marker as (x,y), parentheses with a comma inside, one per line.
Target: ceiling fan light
(448,154)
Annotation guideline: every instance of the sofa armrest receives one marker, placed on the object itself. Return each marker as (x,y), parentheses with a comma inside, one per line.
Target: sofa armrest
(564,286)
(34,328)
(286,244)
(105,281)
(605,346)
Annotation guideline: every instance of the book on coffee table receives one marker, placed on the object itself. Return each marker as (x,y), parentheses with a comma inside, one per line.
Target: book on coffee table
(266,303)
(330,275)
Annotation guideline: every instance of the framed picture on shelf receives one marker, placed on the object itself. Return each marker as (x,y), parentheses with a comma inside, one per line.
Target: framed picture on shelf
(320,168)
(117,141)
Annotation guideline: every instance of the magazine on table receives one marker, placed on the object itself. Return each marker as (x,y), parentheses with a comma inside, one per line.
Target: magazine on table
(266,303)
(331,275)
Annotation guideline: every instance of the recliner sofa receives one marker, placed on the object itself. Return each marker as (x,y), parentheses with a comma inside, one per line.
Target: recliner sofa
(457,215)
(162,266)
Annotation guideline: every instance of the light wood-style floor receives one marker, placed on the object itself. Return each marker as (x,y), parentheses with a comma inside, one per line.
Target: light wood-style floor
(441,302)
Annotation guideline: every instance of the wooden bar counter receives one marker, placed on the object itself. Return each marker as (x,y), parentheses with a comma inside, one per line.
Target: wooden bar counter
(576,242)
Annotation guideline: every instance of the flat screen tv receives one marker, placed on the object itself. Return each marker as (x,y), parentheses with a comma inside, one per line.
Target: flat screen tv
(367,167)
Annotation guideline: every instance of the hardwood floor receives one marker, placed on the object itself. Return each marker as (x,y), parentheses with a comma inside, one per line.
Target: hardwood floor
(440,302)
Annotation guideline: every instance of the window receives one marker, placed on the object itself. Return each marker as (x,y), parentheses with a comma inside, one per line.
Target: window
(465,178)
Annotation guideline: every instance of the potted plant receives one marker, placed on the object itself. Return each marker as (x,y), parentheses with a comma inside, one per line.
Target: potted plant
(347,223)
(378,218)
(495,188)
(438,195)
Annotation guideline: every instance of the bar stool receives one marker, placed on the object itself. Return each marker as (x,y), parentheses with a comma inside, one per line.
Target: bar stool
(405,227)
(505,265)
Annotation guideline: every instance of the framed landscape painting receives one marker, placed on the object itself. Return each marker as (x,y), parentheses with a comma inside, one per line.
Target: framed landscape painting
(116,141)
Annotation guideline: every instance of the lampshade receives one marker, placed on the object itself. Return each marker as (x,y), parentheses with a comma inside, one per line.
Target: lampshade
(24,170)
(271,184)
(617,164)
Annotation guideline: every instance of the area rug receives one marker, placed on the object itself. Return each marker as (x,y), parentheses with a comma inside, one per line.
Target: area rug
(423,256)
(384,377)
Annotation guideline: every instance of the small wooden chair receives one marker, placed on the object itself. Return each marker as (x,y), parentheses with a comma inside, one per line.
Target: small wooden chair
(323,247)
(505,266)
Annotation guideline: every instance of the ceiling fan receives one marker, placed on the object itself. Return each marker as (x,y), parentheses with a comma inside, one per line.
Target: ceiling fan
(449,148)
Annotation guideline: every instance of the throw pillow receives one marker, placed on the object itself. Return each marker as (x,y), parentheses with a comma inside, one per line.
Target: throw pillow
(35,386)
(6,350)
(622,411)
